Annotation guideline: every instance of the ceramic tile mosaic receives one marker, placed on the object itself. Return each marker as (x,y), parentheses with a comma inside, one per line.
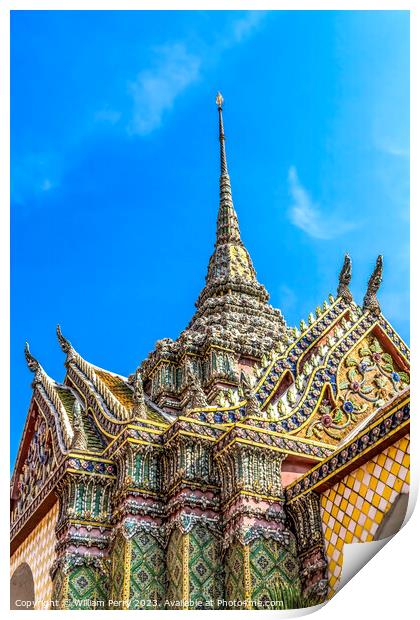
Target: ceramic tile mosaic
(39,553)
(353,509)
(170,480)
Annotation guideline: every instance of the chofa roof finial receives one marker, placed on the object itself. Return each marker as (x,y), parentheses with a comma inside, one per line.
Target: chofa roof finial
(370,301)
(196,398)
(252,407)
(64,343)
(344,280)
(139,403)
(33,363)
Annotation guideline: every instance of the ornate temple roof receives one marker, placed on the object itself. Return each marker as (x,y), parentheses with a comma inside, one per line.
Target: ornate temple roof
(236,369)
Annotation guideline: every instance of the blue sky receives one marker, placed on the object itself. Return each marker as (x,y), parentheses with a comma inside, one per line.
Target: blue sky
(115,169)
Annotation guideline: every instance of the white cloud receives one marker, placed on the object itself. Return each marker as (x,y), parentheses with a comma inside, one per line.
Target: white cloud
(307,215)
(46,185)
(34,174)
(392,147)
(176,67)
(244,26)
(155,90)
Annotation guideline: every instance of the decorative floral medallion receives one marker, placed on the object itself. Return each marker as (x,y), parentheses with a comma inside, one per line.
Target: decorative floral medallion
(368,379)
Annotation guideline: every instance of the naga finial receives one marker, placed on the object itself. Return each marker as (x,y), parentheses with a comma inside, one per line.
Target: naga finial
(64,343)
(79,439)
(252,407)
(370,301)
(344,280)
(196,397)
(219,100)
(33,363)
(139,407)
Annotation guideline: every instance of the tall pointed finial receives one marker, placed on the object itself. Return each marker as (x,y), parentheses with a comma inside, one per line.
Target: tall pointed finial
(227,220)
(230,263)
(223,162)
(344,280)
(370,301)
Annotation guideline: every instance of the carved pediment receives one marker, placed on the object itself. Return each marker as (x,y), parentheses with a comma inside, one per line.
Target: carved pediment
(35,465)
(370,375)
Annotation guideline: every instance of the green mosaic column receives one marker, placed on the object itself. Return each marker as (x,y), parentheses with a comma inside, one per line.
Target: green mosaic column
(138,571)
(81,583)
(119,594)
(237,576)
(263,574)
(147,572)
(274,574)
(195,577)
(177,566)
(204,568)
(87,588)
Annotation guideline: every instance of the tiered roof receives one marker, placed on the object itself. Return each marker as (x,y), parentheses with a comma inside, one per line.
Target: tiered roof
(232,309)
(315,386)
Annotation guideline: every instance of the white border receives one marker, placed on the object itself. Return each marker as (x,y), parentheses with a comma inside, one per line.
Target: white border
(387,586)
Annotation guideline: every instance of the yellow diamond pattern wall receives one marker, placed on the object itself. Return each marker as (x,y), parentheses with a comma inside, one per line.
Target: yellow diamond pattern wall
(353,509)
(38,552)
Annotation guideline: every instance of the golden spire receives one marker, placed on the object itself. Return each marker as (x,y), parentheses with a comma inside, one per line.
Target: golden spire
(230,265)
(227,220)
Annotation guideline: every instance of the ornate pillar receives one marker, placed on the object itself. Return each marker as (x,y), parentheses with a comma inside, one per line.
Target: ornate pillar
(138,555)
(304,513)
(261,567)
(80,573)
(194,566)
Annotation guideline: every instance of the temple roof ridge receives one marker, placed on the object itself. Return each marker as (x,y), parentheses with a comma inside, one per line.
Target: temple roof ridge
(120,407)
(110,372)
(50,387)
(92,373)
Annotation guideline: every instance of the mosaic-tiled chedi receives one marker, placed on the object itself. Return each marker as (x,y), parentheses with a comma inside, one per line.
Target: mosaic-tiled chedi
(199,481)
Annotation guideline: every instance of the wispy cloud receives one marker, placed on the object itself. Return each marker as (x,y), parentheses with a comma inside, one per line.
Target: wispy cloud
(308,216)
(150,95)
(46,185)
(392,147)
(176,67)
(155,90)
(36,173)
(244,26)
